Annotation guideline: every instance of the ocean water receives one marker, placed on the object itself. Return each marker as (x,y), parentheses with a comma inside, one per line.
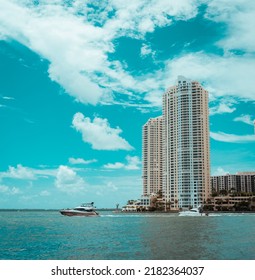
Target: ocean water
(47,235)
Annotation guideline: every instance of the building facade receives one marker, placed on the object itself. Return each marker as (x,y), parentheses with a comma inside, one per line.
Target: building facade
(232,203)
(152,156)
(186,151)
(240,182)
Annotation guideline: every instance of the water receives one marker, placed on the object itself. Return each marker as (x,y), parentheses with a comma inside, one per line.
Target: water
(46,235)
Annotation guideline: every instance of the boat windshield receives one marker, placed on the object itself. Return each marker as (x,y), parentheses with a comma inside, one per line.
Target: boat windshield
(87,204)
(84,209)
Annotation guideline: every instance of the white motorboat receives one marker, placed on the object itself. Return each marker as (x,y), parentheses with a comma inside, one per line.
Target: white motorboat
(195,211)
(86,209)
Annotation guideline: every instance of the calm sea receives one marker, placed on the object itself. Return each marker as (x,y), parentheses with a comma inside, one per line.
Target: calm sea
(46,235)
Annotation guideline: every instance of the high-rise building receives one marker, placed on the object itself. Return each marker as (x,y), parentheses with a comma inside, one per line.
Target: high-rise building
(240,182)
(152,156)
(186,152)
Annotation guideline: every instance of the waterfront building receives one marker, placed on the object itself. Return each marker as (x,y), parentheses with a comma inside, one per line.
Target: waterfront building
(152,156)
(142,204)
(240,182)
(231,203)
(145,202)
(186,152)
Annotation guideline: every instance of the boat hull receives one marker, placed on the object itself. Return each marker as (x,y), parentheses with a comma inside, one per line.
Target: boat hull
(71,213)
(192,214)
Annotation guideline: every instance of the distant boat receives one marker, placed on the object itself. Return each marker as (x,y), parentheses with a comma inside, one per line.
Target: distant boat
(86,209)
(195,211)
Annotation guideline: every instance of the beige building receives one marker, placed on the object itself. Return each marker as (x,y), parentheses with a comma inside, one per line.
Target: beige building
(152,156)
(186,151)
(232,203)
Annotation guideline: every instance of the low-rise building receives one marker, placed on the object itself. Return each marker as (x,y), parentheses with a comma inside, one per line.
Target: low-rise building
(231,203)
(142,204)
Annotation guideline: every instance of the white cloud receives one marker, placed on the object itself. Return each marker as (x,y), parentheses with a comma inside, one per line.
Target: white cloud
(44,193)
(81,161)
(154,98)
(20,172)
(116,165)
(74,48)
(8,98)
(14,190)
(107,188)
(220,171)
(67,180)
(99,134)
(232,138)
(240,20)
(45,172)
(137,17)
(248,119)
(225,106)
(132,163)
(27,173)
(4,189)
(221,109)
(111,186)
(146,51)
(9,190)
(236,81)
(77,39)
(118,188)
(77,46)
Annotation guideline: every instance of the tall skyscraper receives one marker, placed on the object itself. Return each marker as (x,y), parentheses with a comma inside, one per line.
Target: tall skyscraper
(152,156)
(186,152)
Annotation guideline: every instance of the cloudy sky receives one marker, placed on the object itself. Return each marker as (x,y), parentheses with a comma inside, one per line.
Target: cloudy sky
(78,79)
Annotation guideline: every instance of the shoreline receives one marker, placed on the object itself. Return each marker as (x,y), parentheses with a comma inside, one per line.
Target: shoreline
(125,212)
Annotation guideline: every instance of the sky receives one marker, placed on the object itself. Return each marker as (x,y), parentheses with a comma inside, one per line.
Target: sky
(79,79)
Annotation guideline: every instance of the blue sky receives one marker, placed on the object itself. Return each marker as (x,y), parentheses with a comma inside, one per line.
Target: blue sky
(78,79)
